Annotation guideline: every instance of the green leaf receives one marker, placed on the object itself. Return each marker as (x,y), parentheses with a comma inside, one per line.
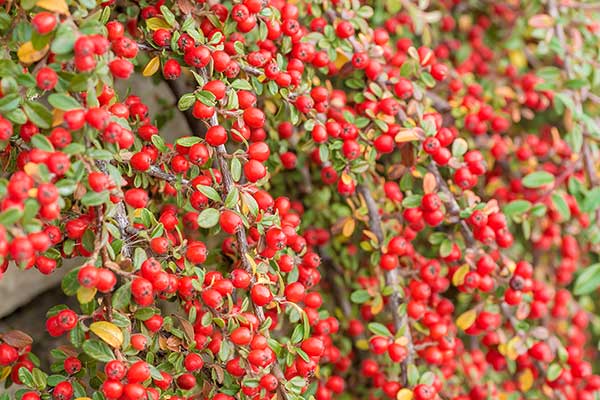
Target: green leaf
(592,200)
(561,206)
(379,329)
(186,101)
(41,142)
(95,198)
(98,350)
(122,297)
(516,207)
(208,218)
(38,114)
(360,296)
(553,372)
(209,192)
(159,143)
(232,198)
(241,84)
(64,40)
(10,216)
(26,377)
(70,284)
(10,102)
(412,201)
(588,280)
(413,375)
(236,169)
(538,179)
(188,141)
(144,314)
(445,248)
(63,102)
(206,98)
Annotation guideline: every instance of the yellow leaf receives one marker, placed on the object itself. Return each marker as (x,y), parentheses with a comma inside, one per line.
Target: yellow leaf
(341,59)
(377,306)
(466,319)
(85,295)
(347,179)
(27,54)
(406,135)
(59,6)
(517,58)
(511,348)
(459,276)
(151,67)
(348,228)
(371,236)
(251,262)
(108,332)
(526,380)
(6,371)
(404,394)
(362,344)
(155,23)
(31,169)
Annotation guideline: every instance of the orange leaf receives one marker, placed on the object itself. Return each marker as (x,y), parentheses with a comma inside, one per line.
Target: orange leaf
(429,183)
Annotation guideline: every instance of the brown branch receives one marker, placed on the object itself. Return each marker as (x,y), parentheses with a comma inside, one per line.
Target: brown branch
(179,88)
(392,280)
(242,242)
(166,176)
(125,227)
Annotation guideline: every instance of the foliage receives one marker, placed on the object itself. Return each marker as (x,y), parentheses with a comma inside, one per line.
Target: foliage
(379,198)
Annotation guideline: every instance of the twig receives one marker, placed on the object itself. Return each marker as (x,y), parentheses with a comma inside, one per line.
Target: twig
(160,174)
(121,218)
(228,186)
(392,279)
(179,88)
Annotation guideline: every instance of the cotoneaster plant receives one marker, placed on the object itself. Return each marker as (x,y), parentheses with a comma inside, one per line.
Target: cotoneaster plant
(372,199)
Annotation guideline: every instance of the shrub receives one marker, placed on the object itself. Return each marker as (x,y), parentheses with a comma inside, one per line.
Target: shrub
(386,199)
